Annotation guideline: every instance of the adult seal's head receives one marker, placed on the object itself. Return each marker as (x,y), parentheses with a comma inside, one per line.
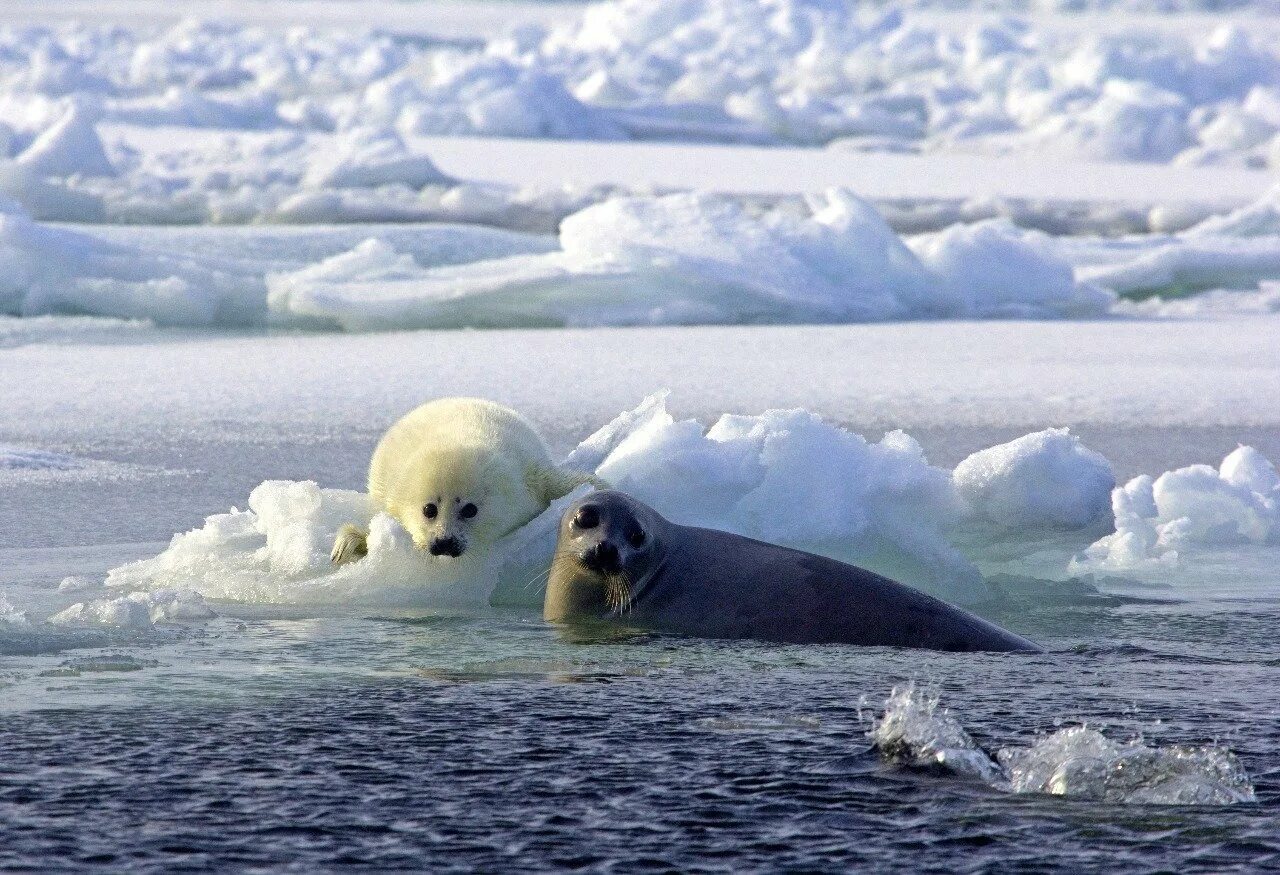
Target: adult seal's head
(611,546)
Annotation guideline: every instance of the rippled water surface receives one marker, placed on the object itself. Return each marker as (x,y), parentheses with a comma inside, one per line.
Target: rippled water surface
(489,741)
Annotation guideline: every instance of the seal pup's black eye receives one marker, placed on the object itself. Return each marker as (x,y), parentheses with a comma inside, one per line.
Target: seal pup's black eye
(468,511)
(430,510)
(635,537)
(587,517)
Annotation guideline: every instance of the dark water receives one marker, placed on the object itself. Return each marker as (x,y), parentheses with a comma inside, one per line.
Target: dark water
(491,743)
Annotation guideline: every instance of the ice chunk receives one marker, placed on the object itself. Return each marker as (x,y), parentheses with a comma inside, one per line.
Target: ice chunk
(1044,479)
(71,145)
(992,269)
(1258,219)
(1220,303)
(788,477)
(1185,264)
(483,94)
(278,552)
(1162,520)
(137,610)
(51,270)
(371,157)
(695,258)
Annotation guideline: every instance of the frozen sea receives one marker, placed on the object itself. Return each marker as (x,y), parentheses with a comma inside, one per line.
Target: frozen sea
(982,296)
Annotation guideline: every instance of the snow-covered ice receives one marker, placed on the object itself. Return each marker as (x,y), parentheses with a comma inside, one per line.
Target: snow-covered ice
(1047,478)
(699,259)
(783,476)
(1160,519)
(220,121)
(881,504)
(674,259)
(800,71)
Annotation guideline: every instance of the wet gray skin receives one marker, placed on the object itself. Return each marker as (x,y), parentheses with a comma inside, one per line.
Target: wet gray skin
(618,560)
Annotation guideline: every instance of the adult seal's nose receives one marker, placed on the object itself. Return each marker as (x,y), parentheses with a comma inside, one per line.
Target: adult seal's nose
(602,557)
(446,547)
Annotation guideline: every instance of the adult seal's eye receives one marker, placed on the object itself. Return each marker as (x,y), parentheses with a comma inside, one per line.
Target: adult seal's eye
(635,538)
(468,511)
(587,517)
(430,511)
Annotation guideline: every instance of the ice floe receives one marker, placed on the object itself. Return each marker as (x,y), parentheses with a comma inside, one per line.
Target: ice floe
(1077,762)
(51,269)
(136,610)
(786,476)
(880,503)
(639,260)
(111,618)
(277,551)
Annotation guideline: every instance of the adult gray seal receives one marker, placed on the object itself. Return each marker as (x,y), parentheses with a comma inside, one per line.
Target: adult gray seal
(618,559)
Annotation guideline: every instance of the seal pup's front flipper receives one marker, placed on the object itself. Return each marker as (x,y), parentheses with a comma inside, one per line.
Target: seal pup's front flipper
(351,544)
(550,483)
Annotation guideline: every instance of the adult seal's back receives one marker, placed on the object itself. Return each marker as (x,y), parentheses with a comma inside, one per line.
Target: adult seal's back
(618,559)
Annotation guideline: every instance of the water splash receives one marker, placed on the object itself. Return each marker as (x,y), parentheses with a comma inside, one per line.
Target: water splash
(1083,763)
(915,730)
(1078,762)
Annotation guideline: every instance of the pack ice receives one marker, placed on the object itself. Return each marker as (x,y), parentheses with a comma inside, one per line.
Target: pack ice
(795,71)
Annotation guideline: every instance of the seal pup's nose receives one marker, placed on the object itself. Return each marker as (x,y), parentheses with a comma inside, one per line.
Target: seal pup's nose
(446,547)
(602,557)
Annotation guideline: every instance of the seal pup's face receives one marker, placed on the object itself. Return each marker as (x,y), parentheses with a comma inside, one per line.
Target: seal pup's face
(456,500)
(609,547)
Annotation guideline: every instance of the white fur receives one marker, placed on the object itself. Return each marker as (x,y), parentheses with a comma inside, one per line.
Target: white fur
(452,453)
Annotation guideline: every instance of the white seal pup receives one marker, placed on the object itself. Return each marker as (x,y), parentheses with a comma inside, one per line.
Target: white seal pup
(617,559)
(458,474)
